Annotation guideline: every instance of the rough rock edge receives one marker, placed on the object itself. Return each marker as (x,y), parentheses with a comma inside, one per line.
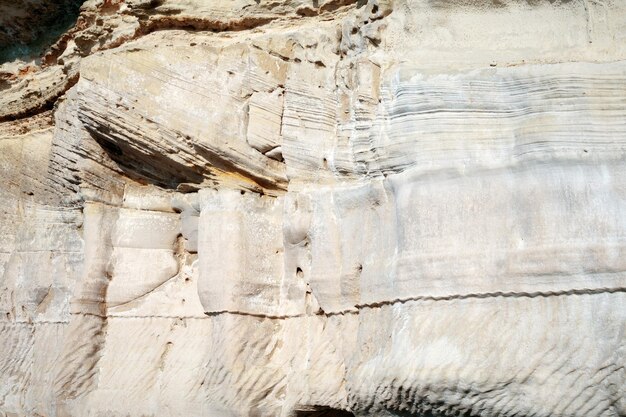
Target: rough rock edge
(148,21)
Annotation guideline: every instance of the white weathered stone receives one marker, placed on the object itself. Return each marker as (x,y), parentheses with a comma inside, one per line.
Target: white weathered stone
(275,208)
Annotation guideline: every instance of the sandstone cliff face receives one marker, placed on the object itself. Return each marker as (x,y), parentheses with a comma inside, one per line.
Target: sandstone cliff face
(292,208)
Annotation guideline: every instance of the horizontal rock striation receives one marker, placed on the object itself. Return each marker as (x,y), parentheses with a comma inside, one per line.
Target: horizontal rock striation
(317,208)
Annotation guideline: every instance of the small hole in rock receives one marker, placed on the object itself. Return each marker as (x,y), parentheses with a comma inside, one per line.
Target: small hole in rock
(319,411)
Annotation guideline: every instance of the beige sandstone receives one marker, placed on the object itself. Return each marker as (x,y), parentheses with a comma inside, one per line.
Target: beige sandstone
(292,208)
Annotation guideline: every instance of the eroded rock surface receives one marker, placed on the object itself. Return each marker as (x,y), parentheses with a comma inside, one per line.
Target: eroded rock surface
(307,208)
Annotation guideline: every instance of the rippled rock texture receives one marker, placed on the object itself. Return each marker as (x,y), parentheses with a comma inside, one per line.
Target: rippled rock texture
(317,208)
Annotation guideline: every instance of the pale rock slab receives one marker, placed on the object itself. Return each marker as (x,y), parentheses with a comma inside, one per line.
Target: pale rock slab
(310,208)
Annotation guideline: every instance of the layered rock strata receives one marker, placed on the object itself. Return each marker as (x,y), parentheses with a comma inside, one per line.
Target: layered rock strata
(302,208)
